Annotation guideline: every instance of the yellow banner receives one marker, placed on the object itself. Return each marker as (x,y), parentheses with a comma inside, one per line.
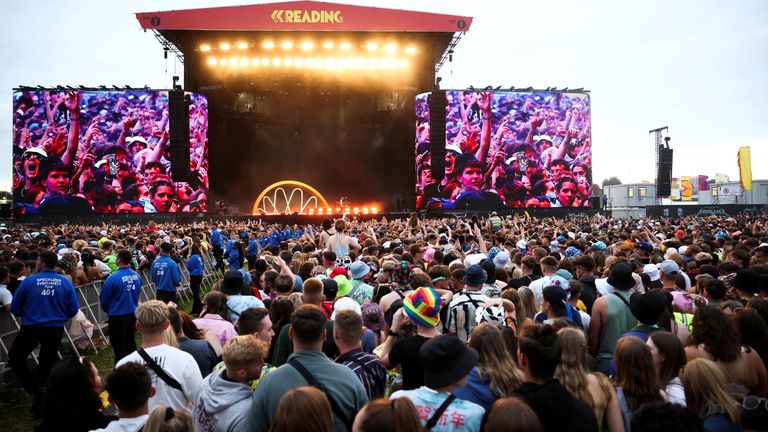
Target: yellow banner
(745,168)
(686,188)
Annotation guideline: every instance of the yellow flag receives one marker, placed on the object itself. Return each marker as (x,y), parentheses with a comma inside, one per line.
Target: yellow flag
(745,168)
(527,216)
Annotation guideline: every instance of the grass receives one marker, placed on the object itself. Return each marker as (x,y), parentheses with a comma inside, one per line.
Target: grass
(15,403)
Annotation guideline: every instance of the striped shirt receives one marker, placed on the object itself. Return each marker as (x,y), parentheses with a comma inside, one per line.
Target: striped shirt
(461,313)
(368,369)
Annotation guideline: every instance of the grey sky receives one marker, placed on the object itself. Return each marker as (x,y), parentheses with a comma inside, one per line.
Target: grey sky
(697,66)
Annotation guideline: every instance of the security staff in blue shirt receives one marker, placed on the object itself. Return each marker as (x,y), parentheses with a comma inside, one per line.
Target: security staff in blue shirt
(44,301)
(195,269)
(216,242)
(252,251)
(119,299)
(166,274)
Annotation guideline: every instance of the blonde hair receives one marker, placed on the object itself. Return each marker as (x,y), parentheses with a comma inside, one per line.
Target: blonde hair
(303,409)
(152,316)
(495,360)
(163,419)
(529,303)
(706,387)
(572,369)
(241,351)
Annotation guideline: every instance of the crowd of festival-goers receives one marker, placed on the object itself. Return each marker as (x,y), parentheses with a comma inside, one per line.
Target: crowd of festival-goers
(507,150)
(100,152)
(458,324)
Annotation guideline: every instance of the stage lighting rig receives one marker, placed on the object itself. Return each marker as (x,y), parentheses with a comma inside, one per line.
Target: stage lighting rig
(115,87)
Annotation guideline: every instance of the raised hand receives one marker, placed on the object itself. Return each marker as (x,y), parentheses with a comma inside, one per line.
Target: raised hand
(72,101)
(484,101)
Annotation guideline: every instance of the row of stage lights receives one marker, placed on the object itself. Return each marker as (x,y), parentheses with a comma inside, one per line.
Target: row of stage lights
(308,46)
(338,210)
(311,62)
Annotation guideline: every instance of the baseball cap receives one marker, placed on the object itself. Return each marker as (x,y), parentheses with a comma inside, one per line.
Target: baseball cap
(669,267)
(555,296)
(475,275)
(652,271)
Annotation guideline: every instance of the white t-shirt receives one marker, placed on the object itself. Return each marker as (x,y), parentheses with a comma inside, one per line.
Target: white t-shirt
(179,365)
(125,424)
(537,287)
(5,296)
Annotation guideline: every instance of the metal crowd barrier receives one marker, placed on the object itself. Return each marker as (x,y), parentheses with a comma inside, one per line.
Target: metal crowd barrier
(88,297)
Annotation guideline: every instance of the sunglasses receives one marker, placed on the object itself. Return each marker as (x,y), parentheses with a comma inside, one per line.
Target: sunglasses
(32,156)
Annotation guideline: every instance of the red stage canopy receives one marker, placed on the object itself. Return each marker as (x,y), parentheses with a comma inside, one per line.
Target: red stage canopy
(303,16)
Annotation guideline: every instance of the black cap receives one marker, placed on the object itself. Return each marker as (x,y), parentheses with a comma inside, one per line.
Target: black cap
(446,360)
(747,280)
(475,275)
(232,283)
(556,297)
(330,288)
(648,307)
(621,276)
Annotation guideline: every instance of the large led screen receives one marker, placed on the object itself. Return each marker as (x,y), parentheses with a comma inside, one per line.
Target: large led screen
(507,150)
(80,152)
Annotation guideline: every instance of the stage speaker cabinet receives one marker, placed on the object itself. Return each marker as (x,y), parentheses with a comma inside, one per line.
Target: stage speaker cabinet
(437,102)
(596,202)
(178,118)
(664,177)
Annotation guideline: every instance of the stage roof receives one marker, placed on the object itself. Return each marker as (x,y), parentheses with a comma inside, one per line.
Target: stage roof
(303,16)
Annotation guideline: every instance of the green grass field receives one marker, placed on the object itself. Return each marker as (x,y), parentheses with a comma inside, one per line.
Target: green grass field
(15,403)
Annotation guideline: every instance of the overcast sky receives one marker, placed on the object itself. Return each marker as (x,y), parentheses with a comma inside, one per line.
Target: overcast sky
(697,66)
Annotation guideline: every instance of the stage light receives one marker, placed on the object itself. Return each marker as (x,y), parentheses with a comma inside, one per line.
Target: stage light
(255,61)
(286,45)
(403,63)
(346,46)
(330,62)
(346,210)
(319,62)
(242,45)
(357,210)
(371,46)
(374,210)
(410,50)
(358,62)
(205,47)
(365,210)
(244,61)
(328,45)
(310,62)
(233,61)
(224,46)
(288,61)
(276,61)
(371,63)
(298,62)
(390,48)
(327,211)
(307,45)
(212,61)
(265,61)
(268,44)
(341,63)
(338,210)
(390,63)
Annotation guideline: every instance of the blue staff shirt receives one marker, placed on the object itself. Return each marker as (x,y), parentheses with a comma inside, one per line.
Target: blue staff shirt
(120,295)
(166,274)
(45,299)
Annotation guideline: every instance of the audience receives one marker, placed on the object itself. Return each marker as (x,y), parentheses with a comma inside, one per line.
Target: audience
(450,336)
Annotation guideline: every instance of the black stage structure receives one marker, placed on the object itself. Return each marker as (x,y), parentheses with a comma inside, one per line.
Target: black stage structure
(319,93)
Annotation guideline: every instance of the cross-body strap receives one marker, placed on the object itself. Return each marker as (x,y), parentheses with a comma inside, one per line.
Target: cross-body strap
(439,413)
(312,381)
(159,371)
(621,298)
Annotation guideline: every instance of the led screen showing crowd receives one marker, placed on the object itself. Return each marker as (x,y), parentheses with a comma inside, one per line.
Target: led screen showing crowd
(79,152)
(507,150)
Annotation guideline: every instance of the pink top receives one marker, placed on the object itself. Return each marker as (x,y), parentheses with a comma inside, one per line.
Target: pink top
(223,329)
